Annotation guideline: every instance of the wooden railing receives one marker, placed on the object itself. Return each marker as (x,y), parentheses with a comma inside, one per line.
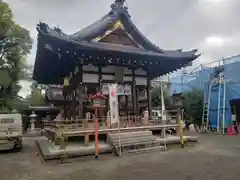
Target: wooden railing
(125,121)
(54,129)
(60,130)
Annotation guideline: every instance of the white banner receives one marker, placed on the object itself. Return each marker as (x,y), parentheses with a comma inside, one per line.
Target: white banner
(164,117)
(121,89)
(113,103)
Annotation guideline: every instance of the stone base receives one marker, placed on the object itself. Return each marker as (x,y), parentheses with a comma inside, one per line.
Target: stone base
(49,151)
(34,132)
(176,139)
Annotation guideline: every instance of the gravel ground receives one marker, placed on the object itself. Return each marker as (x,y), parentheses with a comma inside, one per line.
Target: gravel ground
(215,157)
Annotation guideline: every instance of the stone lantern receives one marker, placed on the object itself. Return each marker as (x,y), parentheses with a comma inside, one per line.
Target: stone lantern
(33,118)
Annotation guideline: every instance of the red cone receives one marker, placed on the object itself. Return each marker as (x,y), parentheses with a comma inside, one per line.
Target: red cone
(229,133)
(233,130)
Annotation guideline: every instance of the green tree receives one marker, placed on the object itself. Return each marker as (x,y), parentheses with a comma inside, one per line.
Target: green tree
(15,44)
(193,107)
(36,97)
(156,96)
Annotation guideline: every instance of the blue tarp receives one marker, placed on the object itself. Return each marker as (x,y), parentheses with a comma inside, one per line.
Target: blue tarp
(218,104)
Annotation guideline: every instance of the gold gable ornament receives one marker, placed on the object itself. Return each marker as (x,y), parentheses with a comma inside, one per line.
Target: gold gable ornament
(66,81)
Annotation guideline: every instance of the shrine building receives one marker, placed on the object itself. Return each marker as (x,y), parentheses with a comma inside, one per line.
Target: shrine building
(111,50)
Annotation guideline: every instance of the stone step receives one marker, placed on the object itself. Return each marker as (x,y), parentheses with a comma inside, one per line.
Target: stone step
(144,150)
(131,137)
(133,141)
(129,134)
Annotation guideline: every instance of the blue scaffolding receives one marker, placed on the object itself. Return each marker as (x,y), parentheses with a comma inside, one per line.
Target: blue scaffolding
(217,95)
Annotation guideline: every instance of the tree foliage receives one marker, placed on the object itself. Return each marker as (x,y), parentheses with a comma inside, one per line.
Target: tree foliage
(36,97)
(156,96)
(15,44)
(193,106)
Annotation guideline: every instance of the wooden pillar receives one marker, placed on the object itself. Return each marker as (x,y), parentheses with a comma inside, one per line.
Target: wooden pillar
(133,92)
(86,126)
(126,105)
(70,103)
(74,104)
(86,139)
(80,91)
(119,98)
(108,113)
(67,107)
(149,98)
(101,111)
(86,135)
(137,102)
(64,103)
(99,76)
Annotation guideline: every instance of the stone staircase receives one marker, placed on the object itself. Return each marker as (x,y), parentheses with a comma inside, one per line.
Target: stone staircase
(134,142)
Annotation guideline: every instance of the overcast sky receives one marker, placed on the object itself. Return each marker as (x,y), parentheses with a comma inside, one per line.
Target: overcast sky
(212,26)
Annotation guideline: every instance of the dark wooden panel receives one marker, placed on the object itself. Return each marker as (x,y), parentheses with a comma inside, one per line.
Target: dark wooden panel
(119,37)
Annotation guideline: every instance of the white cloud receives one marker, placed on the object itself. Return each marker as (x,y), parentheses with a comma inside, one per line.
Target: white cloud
(216,41)
(216,47)
(214,1)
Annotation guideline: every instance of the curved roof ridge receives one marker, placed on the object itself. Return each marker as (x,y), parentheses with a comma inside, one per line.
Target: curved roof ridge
(98,27)
(118,12)
(138,35)
(95,28)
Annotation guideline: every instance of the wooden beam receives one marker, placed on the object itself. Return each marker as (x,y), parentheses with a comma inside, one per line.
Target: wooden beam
(64,103)
(80,89)
(111,73)
(134,93)
(99,76)
(126,105)
(149,98)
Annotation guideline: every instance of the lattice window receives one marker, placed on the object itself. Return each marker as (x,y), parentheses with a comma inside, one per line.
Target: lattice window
(142,92)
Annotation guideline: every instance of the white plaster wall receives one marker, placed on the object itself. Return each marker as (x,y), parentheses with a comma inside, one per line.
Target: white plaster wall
(127,78)
(108,77)
(127,71)
(90,67)
(90,78)
(141,81)
(109,69)
(140,72)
